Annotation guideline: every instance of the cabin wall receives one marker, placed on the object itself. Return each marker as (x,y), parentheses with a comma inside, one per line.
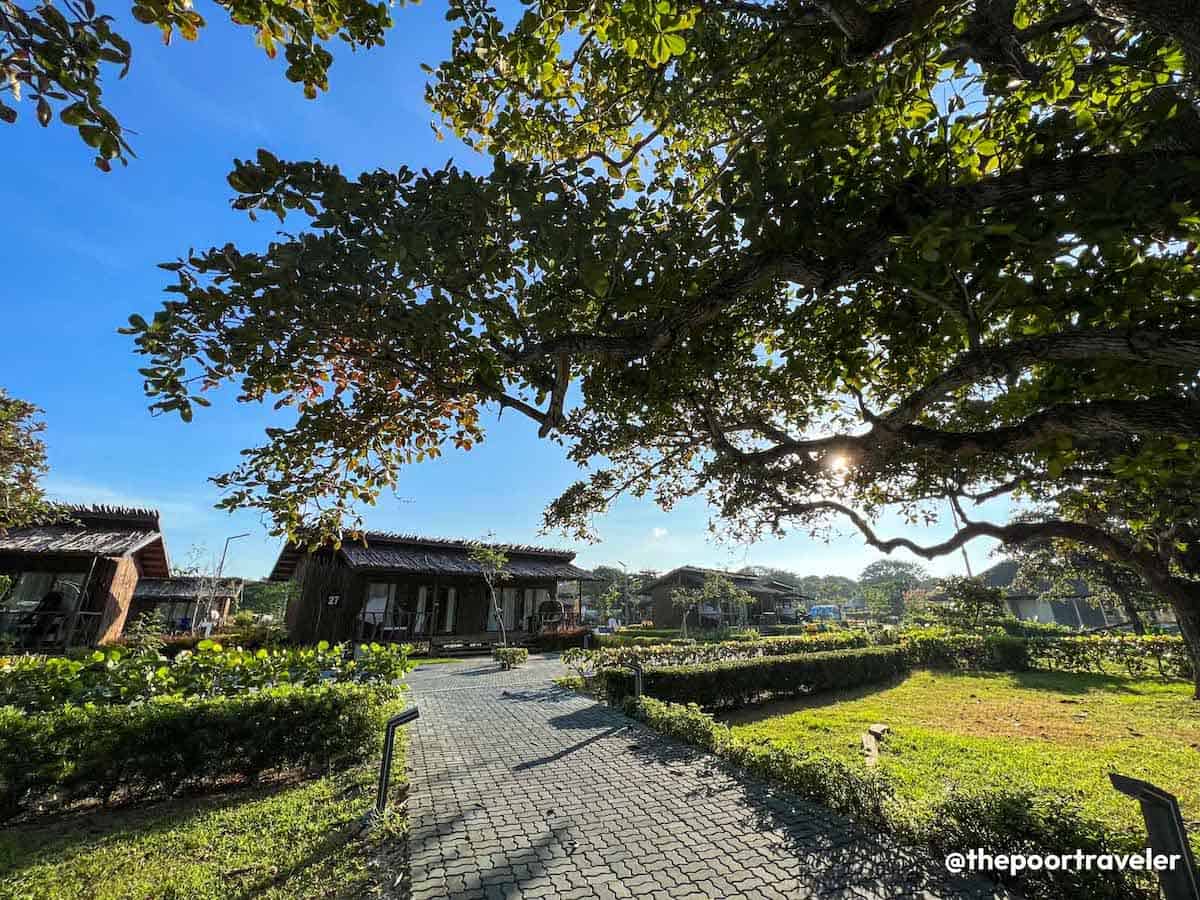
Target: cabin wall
(310,617)
(116,579)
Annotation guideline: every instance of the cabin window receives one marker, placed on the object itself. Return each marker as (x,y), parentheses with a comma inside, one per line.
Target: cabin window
(509,596)
(419,620)
(527,617)
(44,592)
(382,615)
(493,622)
(379,597)
(447,603)
(36,608)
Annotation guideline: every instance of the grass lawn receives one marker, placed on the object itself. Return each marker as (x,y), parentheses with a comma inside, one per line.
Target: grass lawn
(1057,730)
(437,660)
(288,840)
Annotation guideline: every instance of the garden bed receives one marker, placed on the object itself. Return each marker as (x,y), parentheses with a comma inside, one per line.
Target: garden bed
(289,839)
(1046,730)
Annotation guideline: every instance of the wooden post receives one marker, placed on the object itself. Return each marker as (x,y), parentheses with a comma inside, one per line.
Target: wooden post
(87,583)
(433,619)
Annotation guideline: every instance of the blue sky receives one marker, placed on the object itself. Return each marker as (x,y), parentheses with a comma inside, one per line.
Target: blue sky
(79,256)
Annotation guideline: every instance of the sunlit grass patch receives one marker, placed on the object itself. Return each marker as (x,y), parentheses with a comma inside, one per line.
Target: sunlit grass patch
(1042,729)
(295,839)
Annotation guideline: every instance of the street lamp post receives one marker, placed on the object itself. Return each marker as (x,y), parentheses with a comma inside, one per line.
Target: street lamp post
(624,591)
(212,596)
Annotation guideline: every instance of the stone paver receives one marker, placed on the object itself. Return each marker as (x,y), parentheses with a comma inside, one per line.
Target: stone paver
(521,789)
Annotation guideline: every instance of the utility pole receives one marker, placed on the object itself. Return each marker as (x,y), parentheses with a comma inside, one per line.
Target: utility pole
(624,591)
(212,596)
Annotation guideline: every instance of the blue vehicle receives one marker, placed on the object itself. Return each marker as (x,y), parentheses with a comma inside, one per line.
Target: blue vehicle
(828,612)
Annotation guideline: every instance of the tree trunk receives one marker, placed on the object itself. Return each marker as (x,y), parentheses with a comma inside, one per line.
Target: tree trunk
(499,616)
(1134,617)
(1186,603)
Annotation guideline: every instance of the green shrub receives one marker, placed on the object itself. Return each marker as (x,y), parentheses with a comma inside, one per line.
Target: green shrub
(1016,818)
(558,641)
(941,648)
(787,630)
(510,657)
(1165,655)
(736,682)
(134,751)
(117,676)
(1013,818)
(680,653)
(684,722)
(639,640)
(1028,628)
(647,631)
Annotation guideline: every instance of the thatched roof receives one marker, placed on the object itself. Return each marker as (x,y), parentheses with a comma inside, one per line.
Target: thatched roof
(95,531)
(758,585)
(416,555)
(186,588)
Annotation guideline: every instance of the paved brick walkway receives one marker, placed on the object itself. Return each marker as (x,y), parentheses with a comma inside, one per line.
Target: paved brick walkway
(521,789)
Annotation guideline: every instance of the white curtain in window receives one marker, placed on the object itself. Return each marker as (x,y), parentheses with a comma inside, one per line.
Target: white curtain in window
(419,622)
(493,623)
(530,605)
(378,594)
(510,607)
(451,601)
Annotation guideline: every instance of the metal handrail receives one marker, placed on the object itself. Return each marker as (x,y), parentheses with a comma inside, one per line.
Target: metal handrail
(385,766)
(1165,834)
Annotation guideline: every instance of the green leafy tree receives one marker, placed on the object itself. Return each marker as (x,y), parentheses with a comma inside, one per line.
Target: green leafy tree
(836,589)
(968,601)
(22,464)
(815,263)
(54,54)
(266,597)
(884,584)
(717,592)
(608,602)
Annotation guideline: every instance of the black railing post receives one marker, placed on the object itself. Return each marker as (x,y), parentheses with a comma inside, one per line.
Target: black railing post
(1165,834)
(385,767)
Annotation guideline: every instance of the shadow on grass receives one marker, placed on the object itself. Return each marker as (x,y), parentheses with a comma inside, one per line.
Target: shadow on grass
(60,833)
(76,845)
(747,715)
(1076,682)
(1067,683)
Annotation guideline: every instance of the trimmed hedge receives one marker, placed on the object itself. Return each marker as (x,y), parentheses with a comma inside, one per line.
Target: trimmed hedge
(1009,819)
(510,657)
(639,640)
(1138,655)
(935,648)
(679,653)
(116,675)
(790,630)
(1028,628)
(732,683)
(74,753)
(557,641)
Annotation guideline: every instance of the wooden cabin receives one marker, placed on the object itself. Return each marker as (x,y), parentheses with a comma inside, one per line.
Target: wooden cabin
(774,601)
(72,581)
(186,602)
(404,588)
